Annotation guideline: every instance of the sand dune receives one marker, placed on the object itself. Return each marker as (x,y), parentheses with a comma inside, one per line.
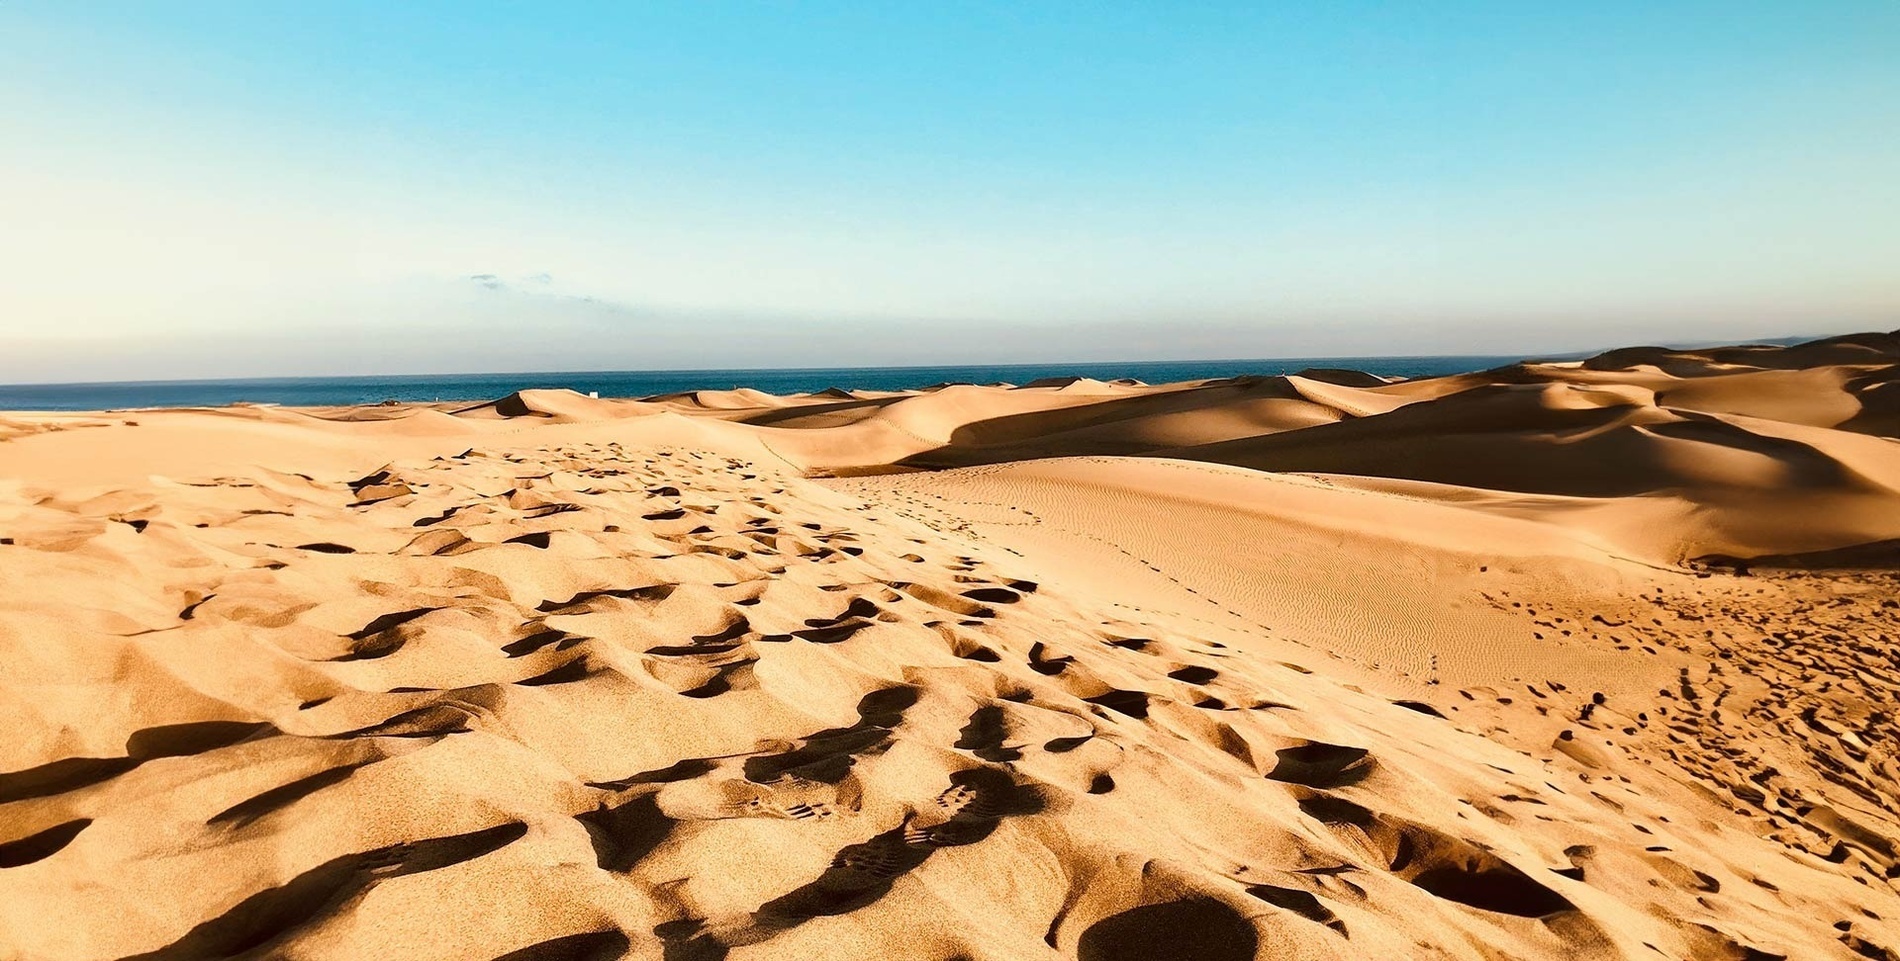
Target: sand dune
(1573,660)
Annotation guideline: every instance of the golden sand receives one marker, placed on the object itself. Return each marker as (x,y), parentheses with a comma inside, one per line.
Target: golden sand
(1577,661)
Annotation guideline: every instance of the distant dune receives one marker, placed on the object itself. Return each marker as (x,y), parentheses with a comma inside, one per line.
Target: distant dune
(1580,660)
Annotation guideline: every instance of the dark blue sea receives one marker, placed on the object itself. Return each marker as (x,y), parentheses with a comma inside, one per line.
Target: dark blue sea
(332,391)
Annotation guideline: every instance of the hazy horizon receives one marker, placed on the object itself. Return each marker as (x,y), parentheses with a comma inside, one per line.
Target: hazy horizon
(1046,363)
(206,190)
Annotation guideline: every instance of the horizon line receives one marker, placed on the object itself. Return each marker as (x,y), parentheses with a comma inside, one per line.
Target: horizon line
(722,370)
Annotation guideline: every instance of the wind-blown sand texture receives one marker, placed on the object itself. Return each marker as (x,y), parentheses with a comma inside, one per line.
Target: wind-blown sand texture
(1585,660)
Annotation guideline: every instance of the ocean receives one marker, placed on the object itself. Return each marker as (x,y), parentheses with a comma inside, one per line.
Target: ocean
(336,391)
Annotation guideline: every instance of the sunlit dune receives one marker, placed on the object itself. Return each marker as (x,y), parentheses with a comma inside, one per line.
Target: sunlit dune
(1567,660)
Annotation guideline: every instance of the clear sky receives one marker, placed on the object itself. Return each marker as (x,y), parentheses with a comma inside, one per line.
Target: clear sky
(250,188)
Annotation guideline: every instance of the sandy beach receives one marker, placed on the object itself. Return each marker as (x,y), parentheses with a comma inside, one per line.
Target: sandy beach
(1582,660)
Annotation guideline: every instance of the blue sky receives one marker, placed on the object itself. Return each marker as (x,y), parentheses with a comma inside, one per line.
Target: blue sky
(265,188)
